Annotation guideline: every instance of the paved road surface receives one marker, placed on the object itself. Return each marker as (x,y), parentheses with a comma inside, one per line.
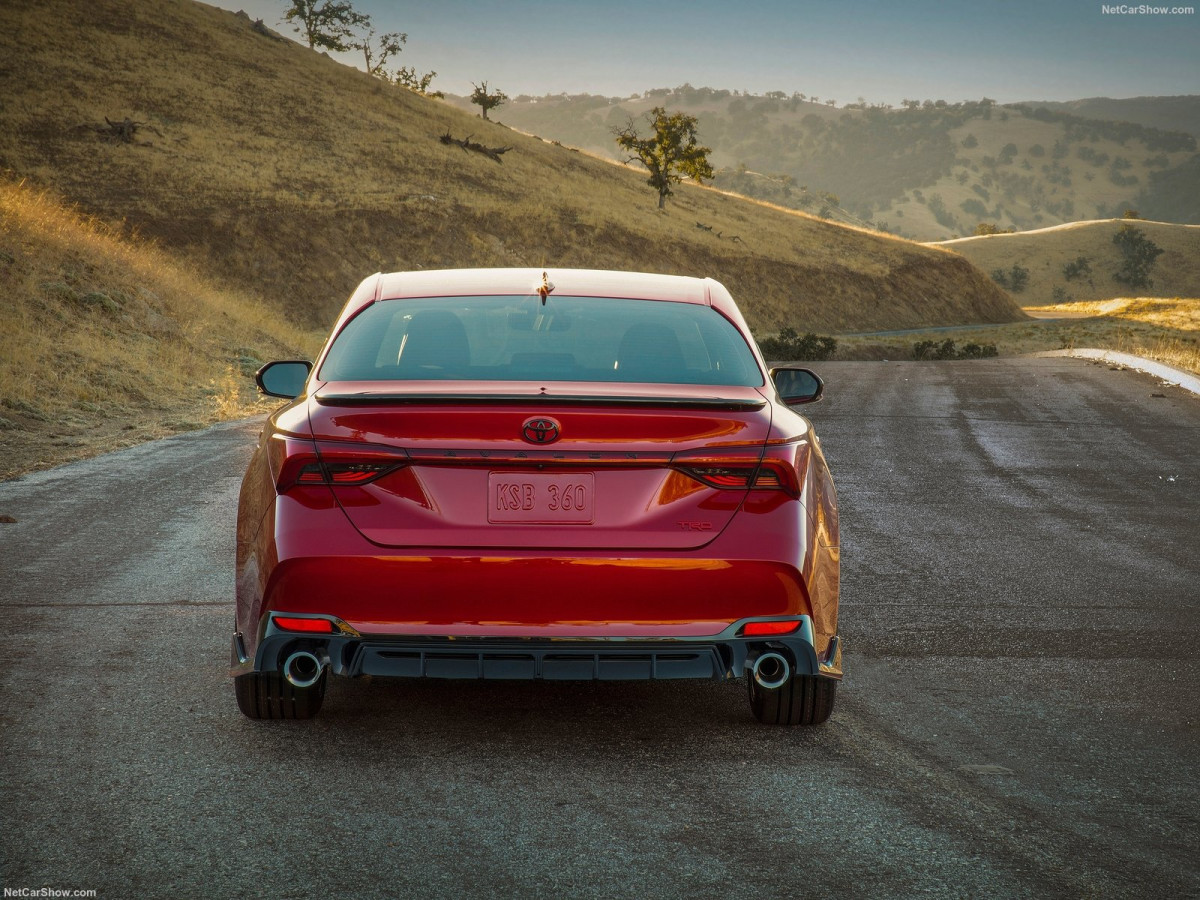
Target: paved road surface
(1020,716)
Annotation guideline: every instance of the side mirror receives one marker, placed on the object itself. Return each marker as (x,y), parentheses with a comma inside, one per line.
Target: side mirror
(797,385)
(284,378)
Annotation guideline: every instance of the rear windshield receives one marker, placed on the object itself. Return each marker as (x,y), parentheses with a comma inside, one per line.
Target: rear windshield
(522,339)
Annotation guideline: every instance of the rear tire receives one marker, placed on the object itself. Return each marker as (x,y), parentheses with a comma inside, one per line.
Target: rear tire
(802,700)
(268,695)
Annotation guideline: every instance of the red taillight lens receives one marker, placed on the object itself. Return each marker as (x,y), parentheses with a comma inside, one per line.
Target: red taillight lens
(312,626)
(780,468)
(761,629)
(341,473)
(298,461)
(722,476)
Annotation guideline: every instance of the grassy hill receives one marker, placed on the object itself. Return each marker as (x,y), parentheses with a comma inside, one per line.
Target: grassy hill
(290,177)
(1047,253)
(109,342)
(929,172)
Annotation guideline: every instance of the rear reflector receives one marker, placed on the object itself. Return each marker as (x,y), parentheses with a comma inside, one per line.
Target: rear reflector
(314,626)
(758,629)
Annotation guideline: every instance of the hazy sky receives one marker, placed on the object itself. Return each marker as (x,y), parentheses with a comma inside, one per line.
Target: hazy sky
(884,51)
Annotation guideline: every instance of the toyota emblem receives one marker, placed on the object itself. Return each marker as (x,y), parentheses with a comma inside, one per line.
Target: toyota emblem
(540,430)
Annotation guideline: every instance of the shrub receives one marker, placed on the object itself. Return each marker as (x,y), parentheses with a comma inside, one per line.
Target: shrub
(978,351)
(100,299)
(1019,278)
(1014,279)
(947,349)
(61,290)
(791,345)
(1080,267)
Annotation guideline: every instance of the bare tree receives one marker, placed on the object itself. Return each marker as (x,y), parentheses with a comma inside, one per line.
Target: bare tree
(406,76)
(484,99)
(377,53)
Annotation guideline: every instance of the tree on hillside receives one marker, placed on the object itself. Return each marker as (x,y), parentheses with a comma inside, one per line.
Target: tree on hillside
(325,23)
(377,53)
(407,77)
(670,154)
(1138,253)
(485,99)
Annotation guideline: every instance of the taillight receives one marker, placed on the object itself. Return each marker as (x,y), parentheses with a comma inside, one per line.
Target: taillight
(297,461)
(341,473)
(779,468)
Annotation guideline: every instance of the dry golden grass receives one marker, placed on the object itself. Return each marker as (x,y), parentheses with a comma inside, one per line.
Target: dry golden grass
(1167,330)
(109,342)
(1176,273)
(294,176)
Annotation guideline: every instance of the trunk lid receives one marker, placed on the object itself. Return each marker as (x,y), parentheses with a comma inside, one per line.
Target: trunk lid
(515,466)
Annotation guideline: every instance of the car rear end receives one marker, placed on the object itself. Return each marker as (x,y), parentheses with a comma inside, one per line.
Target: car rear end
(512,479)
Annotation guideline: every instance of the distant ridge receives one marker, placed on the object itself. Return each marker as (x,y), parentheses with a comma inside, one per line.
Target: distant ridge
(1178,113)
(929,171)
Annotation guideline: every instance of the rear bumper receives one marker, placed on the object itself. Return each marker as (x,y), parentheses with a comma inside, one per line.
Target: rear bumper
(395,603)
(715,657)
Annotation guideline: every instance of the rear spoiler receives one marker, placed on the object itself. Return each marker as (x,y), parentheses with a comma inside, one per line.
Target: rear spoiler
(377,398)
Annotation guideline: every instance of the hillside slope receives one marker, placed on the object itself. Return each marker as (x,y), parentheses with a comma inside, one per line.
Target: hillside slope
(292,177)
(1045,253)
(108,342)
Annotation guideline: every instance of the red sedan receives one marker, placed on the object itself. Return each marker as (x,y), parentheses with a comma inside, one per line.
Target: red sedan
(512,474)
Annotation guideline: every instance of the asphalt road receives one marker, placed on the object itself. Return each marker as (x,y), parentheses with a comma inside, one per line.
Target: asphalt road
(1020,715)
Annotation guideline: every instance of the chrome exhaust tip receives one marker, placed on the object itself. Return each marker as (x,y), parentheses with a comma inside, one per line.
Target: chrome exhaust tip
(771,670)
(303,669)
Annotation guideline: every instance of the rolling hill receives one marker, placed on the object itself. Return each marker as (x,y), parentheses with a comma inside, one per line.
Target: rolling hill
(1046,254)
(288,176)
(929,171)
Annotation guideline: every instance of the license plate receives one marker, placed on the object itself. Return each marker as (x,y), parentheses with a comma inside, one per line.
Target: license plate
(541,499)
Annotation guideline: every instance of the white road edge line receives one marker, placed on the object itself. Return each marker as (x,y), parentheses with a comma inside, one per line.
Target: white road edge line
(1185,380)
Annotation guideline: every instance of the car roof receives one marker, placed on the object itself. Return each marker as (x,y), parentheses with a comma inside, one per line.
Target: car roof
(526,281)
